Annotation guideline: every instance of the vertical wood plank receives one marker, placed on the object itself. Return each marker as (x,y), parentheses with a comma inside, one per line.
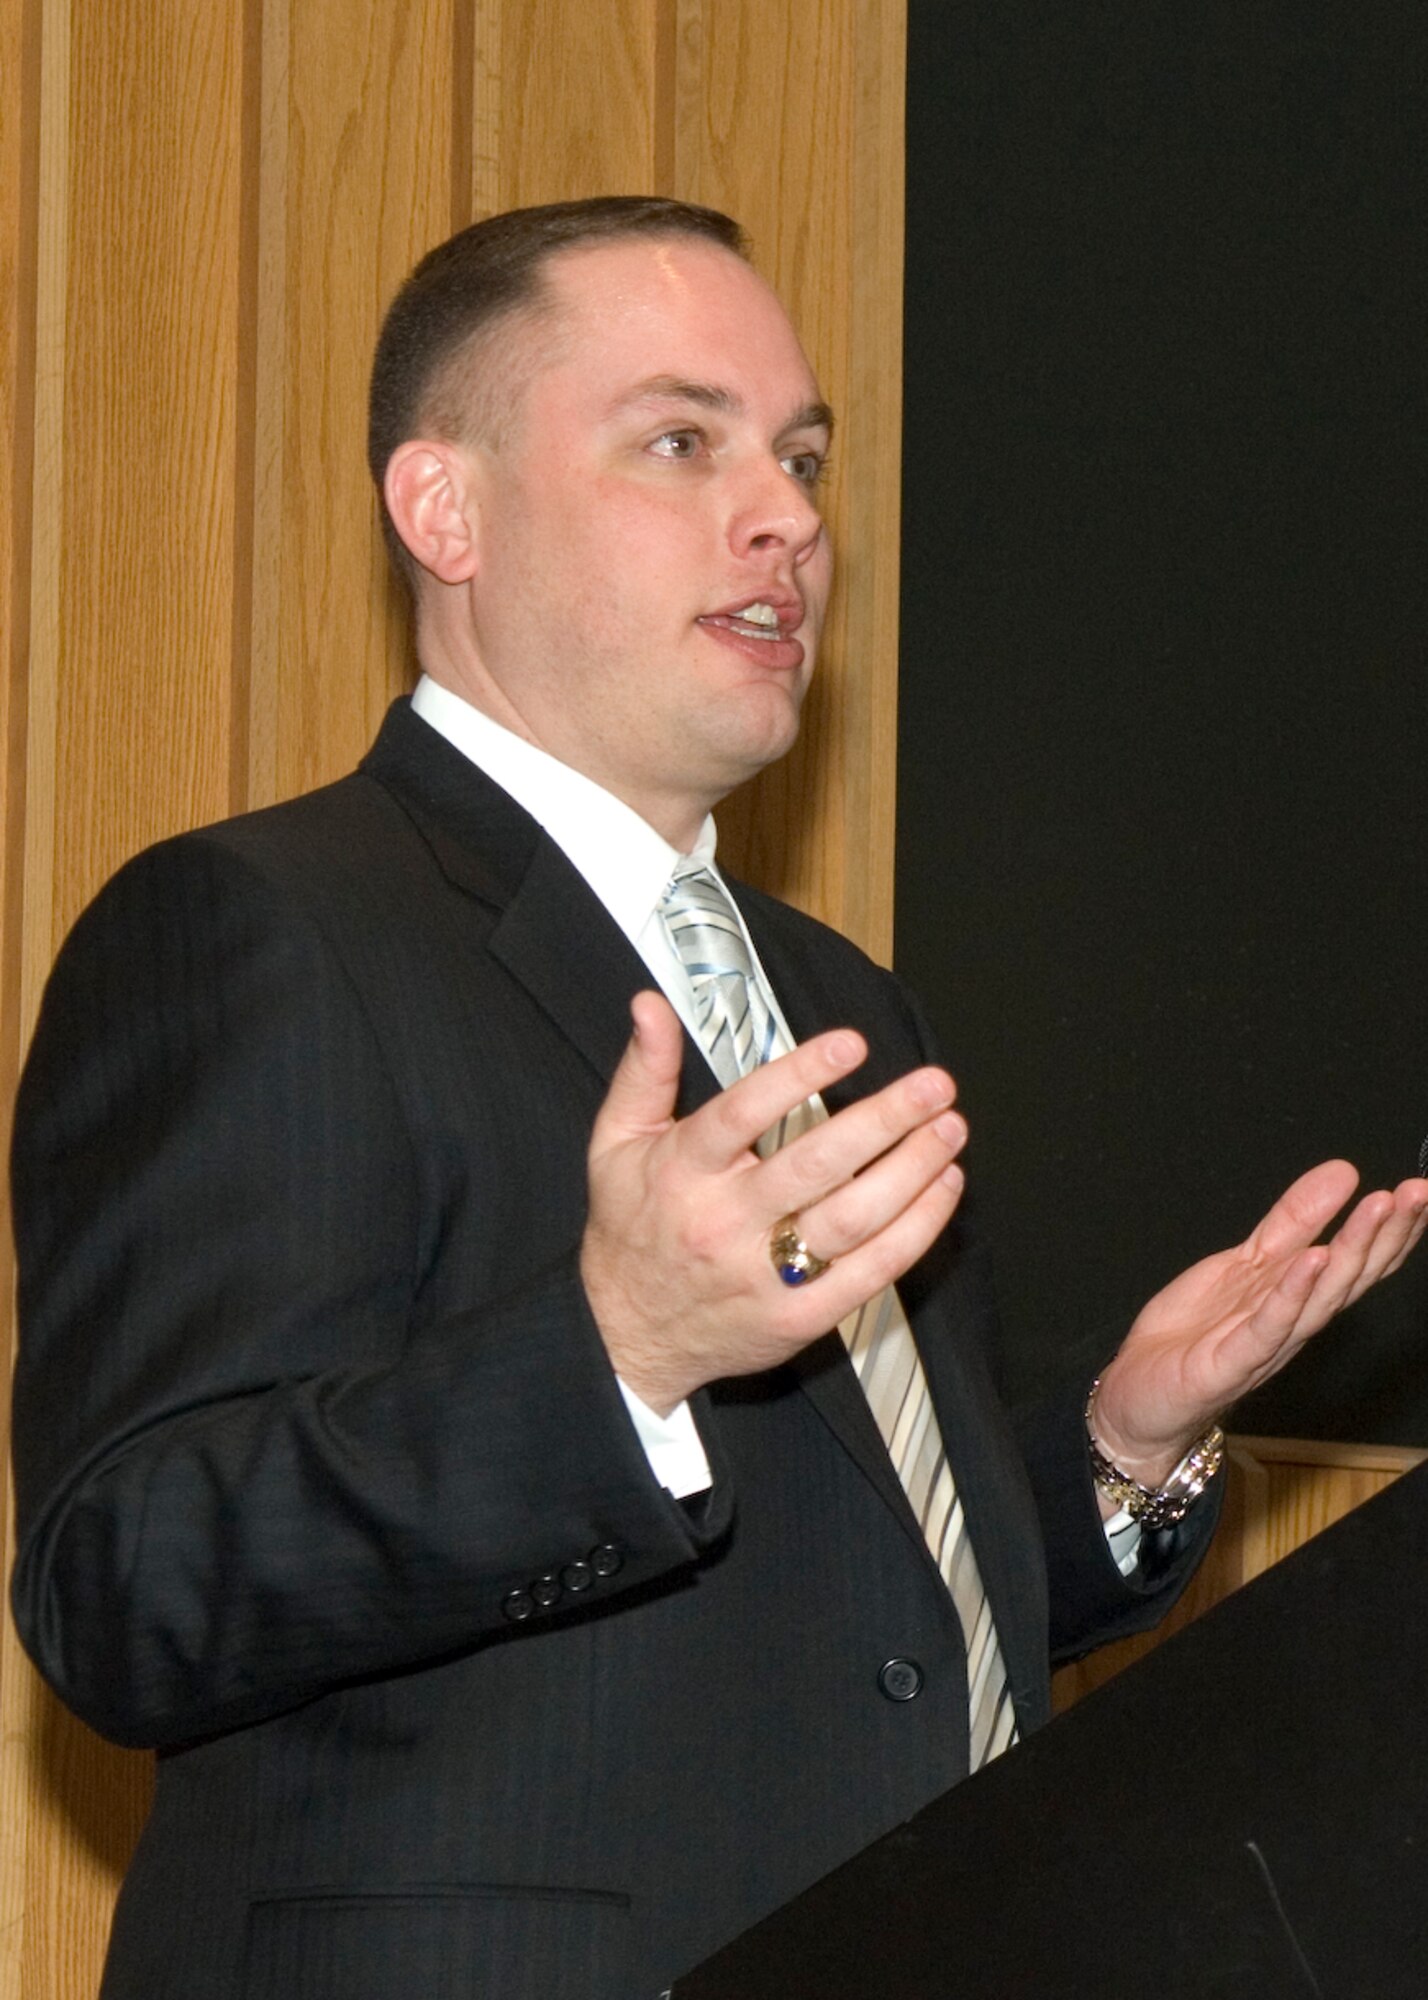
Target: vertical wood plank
(355,182)
(21,94)
(567,101)
(130,576)
(146,592)
(20,74)
(34,534)
(44,501)
(872,498)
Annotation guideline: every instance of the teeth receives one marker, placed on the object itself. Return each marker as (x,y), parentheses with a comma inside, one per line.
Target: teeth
(758,614)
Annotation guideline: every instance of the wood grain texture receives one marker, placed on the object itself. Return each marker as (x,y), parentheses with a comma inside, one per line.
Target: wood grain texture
(569,104)
(1280,1492)
(19,232)
(147,443)
(19,251)
(19,247)
(355,184)
(129,114)
(20,78)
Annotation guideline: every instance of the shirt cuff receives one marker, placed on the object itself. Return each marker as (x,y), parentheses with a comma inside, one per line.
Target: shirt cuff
(1123,1533)
(672,1445)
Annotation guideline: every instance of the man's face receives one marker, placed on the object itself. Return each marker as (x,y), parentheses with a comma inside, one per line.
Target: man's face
(653,569)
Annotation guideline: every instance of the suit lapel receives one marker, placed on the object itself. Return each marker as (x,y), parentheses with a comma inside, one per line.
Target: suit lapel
(551,932)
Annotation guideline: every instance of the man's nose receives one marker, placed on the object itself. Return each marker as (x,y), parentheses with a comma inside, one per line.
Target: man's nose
(775,513)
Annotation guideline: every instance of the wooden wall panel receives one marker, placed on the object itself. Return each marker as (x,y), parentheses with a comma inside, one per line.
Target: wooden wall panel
(567,101)
(19,221)
(138,507)
(204,207)
(354,180)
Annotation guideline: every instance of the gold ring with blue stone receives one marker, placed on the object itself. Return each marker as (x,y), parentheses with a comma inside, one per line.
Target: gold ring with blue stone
(792,1258)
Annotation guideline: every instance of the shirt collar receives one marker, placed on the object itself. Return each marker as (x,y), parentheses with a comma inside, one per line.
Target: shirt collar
(626,863)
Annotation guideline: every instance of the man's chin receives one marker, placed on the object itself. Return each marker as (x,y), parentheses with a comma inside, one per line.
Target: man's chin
(759,752)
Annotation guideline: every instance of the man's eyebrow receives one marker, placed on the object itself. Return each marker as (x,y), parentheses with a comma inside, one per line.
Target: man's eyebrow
(674,389)
(709,396)
(812,417)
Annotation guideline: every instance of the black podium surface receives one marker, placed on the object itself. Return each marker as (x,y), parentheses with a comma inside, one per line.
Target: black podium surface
(1243,1814)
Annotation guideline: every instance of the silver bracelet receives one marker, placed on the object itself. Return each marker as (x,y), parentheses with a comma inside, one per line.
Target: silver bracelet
(1156,1506)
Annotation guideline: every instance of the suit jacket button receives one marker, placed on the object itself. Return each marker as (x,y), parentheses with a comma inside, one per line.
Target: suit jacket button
(606,1560)
(577,1576)
(546,1590)
(518,1605)
(900,1680)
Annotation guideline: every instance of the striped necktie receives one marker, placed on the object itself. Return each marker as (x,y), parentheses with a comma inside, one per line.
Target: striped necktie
(739,1030)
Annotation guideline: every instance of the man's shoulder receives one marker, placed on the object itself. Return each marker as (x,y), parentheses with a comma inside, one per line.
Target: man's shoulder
(323,824)
(365,823)
(335,830)
(343,856)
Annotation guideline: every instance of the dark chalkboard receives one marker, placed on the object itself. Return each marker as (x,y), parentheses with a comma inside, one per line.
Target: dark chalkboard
(1163,791)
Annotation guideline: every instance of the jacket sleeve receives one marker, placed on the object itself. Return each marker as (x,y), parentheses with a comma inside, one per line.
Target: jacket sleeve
(248,1468)
(1091,1603)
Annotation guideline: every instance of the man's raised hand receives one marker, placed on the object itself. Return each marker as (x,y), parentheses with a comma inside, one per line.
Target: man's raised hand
(1229,1323)
(675,1257)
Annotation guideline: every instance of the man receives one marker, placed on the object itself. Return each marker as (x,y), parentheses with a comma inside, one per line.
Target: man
(419,1439)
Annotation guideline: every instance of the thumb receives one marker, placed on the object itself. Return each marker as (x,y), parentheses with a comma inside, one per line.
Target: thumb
(641,1098)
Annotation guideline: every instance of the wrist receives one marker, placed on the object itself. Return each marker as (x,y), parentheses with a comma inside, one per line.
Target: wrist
(1153,1492)
(1148,1459)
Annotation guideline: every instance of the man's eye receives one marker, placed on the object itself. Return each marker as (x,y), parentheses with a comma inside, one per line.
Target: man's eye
(807,467)
(677,444)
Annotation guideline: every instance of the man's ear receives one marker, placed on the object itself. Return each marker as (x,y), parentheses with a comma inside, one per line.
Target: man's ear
(430,496)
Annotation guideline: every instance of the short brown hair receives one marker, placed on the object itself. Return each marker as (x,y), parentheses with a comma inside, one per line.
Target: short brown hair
(479,278)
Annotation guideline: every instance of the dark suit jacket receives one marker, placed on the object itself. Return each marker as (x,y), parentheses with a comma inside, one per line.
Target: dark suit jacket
(327,1490)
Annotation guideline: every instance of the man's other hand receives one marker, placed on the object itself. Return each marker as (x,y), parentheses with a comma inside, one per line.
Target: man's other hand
(1229,1323)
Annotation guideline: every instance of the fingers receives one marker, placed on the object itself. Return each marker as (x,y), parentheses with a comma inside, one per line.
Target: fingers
(1373,1241)
(732,1123)
(641,1097)
(643,1091)
(862,1207)
(862,1273)
(829,1154)
(1305,1208)
(1399,1233)
(1233,1320)
(1322,1280)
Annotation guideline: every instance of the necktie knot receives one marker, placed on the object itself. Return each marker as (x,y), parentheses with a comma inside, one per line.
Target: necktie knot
(736,1025)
